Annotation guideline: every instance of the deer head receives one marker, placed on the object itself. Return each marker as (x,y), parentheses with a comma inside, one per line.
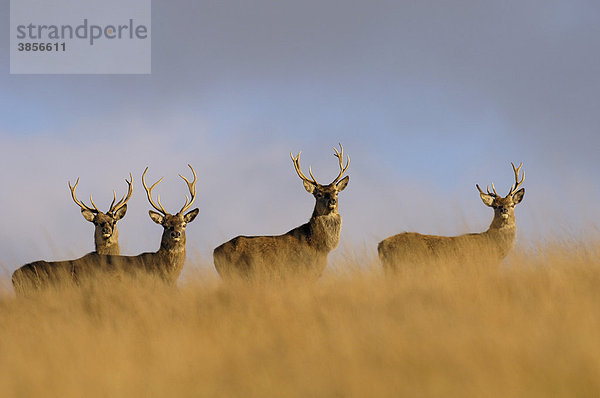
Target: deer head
(105,223)
(173,224)
(504,207)
(326,196)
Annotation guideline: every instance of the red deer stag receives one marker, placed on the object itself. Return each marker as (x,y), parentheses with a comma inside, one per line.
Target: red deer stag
(106,235)
(165,263)
(492,245)
(303,250)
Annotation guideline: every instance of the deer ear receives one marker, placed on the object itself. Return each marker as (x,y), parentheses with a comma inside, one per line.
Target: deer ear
(341,185)
(121,212)
(309,186)
(189,217)
(518,196)
(488,200)
(88,215)
(156,217)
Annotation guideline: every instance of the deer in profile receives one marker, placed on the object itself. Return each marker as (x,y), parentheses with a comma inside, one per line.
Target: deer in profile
(166,263)
(411,248)
(106,235)
(303,250)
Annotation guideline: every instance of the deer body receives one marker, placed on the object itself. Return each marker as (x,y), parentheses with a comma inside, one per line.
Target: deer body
(301,251)
(40,274)
(413,248)
(166,263)
(493,245)
(106,241)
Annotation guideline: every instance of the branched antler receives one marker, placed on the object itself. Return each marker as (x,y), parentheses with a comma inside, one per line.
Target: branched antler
(80,203)
(338,154)
(513,188)
(518,183)
(114,207)
(158,207)
(191,188)
(494,193)
(296,161)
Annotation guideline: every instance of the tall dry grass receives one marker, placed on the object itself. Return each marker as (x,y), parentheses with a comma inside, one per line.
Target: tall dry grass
(528,328)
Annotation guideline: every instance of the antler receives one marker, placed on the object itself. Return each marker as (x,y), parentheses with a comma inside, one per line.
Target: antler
(296,161)
(81,204)
(191,188)
(340,156)
(115,207)
(513,188)
(160,207)
(494,193)
(518,183)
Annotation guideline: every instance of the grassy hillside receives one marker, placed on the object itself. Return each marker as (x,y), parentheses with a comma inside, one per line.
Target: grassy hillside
(528,328)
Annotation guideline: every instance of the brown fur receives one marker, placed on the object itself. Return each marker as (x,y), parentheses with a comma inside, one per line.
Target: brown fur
(491,246)
(301,251)
(39,274)
(106,235)
(166,263)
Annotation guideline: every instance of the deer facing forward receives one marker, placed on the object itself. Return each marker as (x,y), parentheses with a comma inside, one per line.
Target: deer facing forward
(493,245)
(106,235)
(301,251)
(166,263)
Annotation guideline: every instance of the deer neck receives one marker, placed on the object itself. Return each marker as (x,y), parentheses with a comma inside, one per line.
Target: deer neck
(172,254)
(108,246)
(325,231)
(502,232)
(503,224)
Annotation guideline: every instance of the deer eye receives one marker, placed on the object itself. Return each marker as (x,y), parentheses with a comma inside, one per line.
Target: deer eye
(319,195)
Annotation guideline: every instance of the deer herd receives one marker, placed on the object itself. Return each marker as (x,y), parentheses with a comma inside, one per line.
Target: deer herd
(300,252)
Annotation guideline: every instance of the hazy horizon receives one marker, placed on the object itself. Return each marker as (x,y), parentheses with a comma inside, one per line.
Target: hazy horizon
(427,98)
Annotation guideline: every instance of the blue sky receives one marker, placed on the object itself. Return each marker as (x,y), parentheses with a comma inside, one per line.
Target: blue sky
(428,98)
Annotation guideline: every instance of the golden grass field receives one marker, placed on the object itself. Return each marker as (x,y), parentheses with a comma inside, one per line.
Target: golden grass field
(530,327)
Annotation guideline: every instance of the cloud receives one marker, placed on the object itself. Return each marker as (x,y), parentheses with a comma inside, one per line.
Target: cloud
(245,187)
(428,99)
